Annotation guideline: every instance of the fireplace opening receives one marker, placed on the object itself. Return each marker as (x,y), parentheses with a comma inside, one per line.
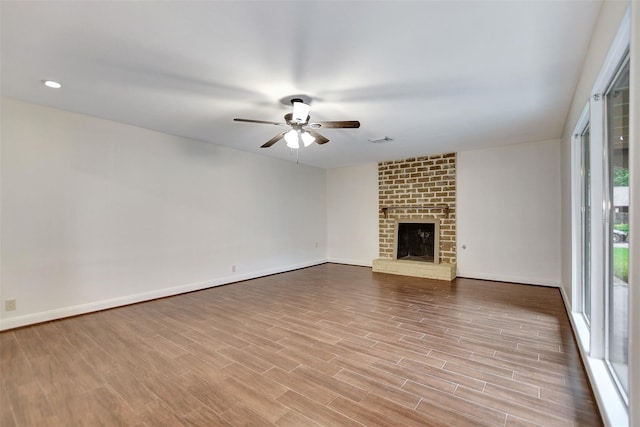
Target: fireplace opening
(418,240)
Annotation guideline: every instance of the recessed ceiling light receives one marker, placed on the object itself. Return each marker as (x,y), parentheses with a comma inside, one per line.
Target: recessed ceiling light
(52,84)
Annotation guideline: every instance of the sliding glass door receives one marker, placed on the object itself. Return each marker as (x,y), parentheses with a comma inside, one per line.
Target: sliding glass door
(617,192)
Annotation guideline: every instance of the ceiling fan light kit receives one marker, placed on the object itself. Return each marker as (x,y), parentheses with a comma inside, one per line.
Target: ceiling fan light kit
(302,132)
(307,138)
(293,138)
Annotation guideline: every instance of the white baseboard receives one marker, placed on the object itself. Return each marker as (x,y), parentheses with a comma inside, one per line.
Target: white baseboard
(59,313)
(351,262)
(525,280)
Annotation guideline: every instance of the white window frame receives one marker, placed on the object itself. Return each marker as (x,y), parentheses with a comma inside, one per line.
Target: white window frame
(592,339)
(608,220)
(576,230)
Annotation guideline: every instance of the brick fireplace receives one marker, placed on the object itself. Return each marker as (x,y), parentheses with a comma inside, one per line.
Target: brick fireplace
(420,190)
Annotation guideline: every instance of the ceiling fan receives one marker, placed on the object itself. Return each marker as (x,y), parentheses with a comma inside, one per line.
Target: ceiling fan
(301,131)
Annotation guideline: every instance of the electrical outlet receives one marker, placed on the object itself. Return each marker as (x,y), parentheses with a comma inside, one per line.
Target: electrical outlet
(233,268)
(10,304)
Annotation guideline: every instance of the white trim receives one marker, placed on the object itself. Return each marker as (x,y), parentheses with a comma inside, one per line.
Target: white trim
(598,222)
(579,325)
(523,280)
(615,413)
(351,262)
(634,208)
(576,210)
(45,316)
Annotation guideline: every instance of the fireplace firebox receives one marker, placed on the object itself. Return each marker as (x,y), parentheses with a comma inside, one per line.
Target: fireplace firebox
(417,240)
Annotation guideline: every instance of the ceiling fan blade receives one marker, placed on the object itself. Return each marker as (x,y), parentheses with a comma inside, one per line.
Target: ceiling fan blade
(273,140)
(339,124)
(260,121)
(319,138)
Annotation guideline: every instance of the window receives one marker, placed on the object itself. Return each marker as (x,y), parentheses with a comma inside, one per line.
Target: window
(617,262)
(582,230)
(600,229)
(585,222)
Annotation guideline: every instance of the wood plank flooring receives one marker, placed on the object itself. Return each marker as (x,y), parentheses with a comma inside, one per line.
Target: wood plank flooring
(330,345)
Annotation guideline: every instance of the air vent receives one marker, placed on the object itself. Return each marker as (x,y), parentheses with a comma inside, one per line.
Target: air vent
(381,140)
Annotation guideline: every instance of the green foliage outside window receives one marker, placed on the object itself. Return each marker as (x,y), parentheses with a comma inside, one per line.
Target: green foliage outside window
(622,227)
(621,263)
(620,177)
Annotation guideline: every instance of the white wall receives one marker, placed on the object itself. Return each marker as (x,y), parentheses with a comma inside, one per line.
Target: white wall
(508,213)
(352,214)
(96,214)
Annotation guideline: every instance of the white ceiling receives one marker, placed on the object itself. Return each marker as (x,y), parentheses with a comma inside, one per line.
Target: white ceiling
(436,76)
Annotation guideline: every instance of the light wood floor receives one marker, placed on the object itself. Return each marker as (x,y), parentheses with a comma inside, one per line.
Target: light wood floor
(327,345)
